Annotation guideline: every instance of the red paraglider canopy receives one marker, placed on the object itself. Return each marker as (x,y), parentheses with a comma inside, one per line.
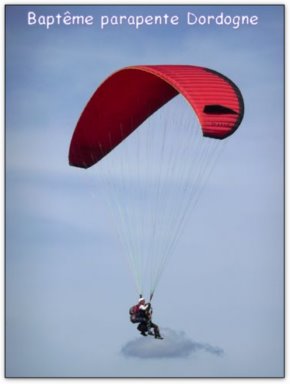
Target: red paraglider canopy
(129,96)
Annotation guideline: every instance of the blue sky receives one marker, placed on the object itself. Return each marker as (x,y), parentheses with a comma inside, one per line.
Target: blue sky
(68,287)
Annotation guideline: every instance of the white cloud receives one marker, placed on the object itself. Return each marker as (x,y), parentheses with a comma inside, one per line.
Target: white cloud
(174,345)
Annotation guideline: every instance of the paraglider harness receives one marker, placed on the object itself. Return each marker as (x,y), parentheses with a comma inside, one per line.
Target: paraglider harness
(134,312)
(139,316)
(143,317)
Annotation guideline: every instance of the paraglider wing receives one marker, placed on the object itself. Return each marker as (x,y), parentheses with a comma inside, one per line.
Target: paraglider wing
(129,96)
